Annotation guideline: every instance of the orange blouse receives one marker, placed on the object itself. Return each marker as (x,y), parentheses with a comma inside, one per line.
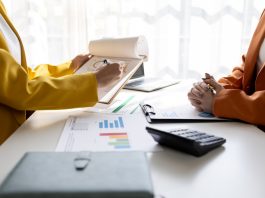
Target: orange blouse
(244,96)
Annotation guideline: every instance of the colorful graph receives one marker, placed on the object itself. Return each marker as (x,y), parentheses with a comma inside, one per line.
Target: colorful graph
(108,124)
(117,140)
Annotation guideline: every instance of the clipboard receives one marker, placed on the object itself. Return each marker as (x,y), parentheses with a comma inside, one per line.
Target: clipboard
(130,52)
(156,115)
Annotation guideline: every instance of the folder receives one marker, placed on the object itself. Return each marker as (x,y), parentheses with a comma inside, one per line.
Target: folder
(177,114)
(79,175)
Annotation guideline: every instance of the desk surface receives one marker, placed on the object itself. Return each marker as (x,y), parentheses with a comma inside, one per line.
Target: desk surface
(234,170)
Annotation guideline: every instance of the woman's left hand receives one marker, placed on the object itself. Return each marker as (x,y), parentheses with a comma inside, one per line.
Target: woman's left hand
(201,97)
(79,60)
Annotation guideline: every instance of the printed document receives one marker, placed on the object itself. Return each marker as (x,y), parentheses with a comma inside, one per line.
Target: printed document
(106,132)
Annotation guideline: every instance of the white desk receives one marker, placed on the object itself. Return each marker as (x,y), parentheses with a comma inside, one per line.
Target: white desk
(235,170)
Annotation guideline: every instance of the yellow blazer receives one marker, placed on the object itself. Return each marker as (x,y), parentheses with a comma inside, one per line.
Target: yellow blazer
(46,87)
(244,96)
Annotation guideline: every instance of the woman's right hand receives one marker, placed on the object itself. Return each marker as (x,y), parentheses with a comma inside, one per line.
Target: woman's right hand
(109,74)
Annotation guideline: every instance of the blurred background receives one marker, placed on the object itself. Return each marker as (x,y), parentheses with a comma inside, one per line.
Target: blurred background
(187,37)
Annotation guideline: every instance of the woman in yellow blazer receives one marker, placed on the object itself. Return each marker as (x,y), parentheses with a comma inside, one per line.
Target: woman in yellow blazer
(242,94)
(46,87)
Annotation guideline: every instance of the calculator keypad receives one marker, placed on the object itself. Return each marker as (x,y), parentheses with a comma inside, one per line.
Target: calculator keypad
(200,137)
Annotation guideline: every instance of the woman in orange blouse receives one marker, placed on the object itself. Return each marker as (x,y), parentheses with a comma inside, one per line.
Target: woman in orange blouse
(241,95)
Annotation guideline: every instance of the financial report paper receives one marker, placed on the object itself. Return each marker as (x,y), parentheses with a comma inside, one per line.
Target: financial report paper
(105,132)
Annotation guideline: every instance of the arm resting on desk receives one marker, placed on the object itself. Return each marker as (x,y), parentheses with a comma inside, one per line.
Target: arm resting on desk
(235,103)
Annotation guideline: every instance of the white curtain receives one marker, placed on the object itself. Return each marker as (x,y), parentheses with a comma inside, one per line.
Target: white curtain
(188,37)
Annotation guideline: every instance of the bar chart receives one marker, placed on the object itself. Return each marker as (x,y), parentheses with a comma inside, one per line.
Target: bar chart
(115,124)
(117,140)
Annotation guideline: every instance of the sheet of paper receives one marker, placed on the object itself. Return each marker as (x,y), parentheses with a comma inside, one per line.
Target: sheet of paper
(185,113)
(106,132)
(176,106)
(132,47)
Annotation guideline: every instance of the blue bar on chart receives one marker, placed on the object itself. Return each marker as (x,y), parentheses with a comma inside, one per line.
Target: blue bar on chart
(109,124)
(106,123)
(116,123)
(121,122)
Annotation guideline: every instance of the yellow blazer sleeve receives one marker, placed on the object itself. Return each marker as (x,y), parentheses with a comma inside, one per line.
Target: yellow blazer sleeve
(51,70)
(43,92)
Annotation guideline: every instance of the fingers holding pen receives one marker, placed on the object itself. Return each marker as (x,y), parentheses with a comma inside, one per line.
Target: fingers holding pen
(209,79)
(202,94)
(212,83)
(109,74)
(208,76)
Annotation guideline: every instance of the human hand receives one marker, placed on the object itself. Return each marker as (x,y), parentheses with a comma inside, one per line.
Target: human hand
(79,60)
(209,80)
(108,74)
(202,94)
(201,97)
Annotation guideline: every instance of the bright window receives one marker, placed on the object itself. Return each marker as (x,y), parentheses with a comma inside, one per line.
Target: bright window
(188,37)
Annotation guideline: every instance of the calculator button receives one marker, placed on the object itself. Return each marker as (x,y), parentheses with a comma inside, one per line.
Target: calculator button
(205,137)
(210,143)
(193,137)
(210,139)
(187,134)
(177,130)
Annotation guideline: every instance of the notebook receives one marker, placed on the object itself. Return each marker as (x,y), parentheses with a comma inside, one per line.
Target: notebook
(79,175)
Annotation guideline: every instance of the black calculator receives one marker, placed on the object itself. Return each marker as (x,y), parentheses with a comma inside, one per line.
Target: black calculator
(187,140)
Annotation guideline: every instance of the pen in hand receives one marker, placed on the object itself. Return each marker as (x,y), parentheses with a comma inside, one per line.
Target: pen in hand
(210,87)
